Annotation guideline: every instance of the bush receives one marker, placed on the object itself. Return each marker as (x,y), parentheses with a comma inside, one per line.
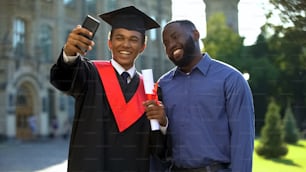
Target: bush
(291,130)
(271,144)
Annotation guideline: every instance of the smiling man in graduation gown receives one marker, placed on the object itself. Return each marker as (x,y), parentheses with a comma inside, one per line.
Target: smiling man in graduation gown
(111,128)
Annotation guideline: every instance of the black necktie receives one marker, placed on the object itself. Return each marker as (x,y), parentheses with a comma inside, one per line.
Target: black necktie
(125,76)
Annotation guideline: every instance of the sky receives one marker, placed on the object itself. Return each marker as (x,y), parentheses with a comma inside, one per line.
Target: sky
(250,16)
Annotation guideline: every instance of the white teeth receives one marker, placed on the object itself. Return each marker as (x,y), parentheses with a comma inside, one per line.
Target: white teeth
(176,51)
(125,52)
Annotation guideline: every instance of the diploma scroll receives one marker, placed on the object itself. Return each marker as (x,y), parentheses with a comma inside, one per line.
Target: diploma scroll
(148,82)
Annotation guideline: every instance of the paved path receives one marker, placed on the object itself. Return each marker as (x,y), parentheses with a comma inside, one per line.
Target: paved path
(48,155)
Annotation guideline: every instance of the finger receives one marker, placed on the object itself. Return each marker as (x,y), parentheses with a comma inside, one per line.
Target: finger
(155,115)
(82,35)
(79,44)
(73,47)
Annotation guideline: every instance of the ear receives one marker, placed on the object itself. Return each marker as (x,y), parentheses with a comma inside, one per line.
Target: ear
(196,34)
(143,48)
(109,43)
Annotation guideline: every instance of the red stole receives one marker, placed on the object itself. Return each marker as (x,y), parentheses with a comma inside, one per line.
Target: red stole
(126,113)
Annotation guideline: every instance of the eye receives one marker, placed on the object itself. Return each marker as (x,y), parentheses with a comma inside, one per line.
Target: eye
(119,38)
(134,39)
(174,37)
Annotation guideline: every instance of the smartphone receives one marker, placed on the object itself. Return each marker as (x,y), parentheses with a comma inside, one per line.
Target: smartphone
(91,24)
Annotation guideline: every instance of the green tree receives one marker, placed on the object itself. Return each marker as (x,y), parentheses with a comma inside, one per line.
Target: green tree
(262,82)
(287,48)
(292,12)
(272,143)
(222,42)
(291,130)
(264,74)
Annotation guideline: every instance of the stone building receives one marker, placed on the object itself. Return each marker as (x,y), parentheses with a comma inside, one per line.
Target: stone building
(32,34)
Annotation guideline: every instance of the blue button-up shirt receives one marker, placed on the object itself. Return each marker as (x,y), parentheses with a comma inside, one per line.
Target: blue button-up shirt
(211,115)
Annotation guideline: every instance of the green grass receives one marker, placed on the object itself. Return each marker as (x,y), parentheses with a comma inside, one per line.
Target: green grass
(294,161)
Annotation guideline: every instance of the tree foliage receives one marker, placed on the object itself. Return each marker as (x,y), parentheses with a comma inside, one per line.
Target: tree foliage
(221,41)
(291,130)
(288,41)
(291,12)
(272,143)
(286,47)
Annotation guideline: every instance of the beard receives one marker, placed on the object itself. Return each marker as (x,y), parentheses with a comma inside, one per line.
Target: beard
(188,56)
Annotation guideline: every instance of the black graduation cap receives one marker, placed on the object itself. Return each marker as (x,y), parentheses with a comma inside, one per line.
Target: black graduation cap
(129,18)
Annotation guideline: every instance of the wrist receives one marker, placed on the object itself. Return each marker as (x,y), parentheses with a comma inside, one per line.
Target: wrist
(164,121)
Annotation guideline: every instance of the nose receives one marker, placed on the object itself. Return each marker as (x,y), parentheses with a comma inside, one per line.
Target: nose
(126,43)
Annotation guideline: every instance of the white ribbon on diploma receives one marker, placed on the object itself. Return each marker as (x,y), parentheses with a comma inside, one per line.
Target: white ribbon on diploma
(148,82)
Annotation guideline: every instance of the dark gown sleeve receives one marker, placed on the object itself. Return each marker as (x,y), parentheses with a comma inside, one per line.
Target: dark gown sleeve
(63,76)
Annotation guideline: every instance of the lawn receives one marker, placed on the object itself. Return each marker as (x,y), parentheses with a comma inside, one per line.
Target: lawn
(294,161)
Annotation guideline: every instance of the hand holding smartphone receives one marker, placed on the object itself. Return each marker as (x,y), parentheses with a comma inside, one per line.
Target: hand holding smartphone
(91,24)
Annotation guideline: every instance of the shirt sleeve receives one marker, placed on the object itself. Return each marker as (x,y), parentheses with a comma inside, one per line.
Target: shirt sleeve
(69,59)
(163,129)
(241,120)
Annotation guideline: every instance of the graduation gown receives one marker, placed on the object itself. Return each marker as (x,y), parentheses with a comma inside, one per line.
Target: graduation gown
(96,143)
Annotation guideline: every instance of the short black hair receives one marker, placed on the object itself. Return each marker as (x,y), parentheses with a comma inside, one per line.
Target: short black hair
(187,24)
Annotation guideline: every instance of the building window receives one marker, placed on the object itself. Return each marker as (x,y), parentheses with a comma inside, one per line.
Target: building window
(19,36)
(45,42)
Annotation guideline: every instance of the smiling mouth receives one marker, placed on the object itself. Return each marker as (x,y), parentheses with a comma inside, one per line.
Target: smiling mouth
(177,53)
(125,52)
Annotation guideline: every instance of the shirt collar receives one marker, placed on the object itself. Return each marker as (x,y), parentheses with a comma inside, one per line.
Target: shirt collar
(202,66)
(120,69)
